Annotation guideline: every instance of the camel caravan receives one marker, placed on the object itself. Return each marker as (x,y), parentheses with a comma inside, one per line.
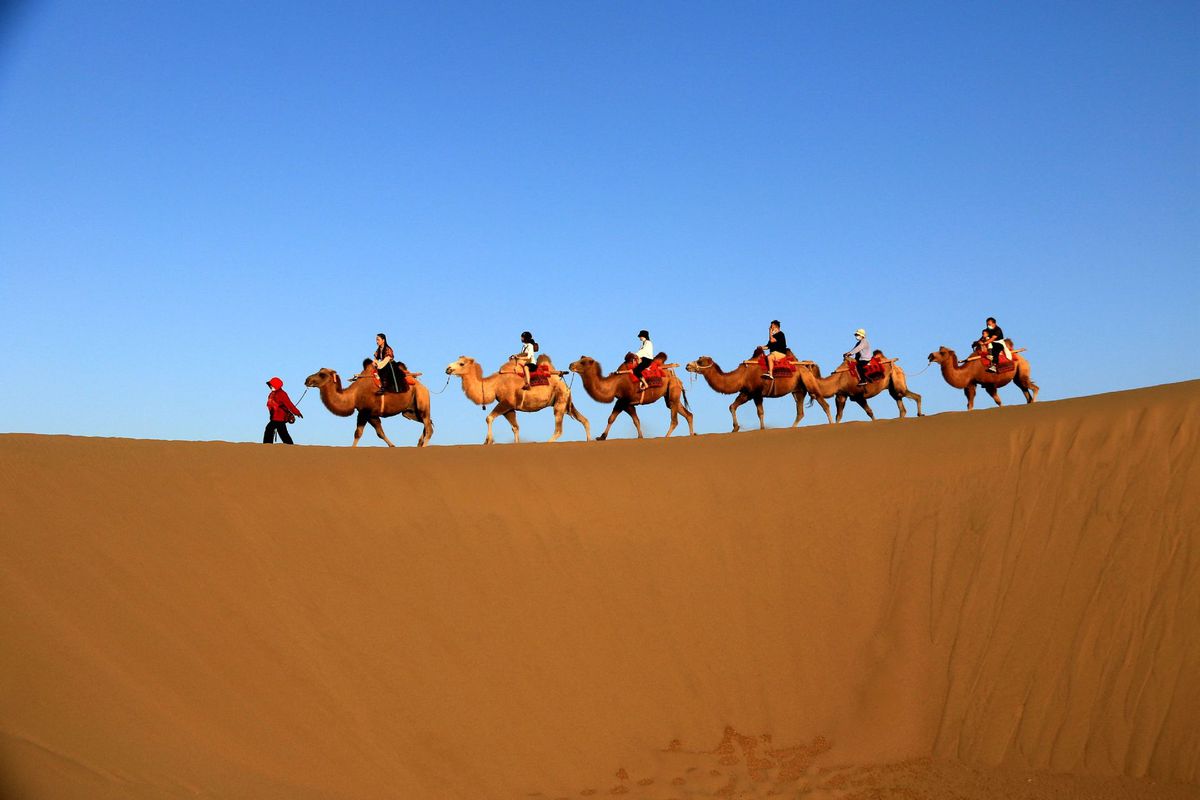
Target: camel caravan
(528,382)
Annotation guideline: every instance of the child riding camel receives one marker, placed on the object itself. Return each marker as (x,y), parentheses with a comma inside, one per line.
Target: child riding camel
(860,352)
(527,356)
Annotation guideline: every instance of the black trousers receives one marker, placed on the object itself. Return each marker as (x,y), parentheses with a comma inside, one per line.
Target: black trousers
(997,348)
(862,368)
(273,428)
(641,365)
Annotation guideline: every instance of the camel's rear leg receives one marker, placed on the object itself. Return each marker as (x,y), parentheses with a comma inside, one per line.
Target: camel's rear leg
(824,406)
(798,396)
(840,402)
(762,417)
(581,419)
(674,398)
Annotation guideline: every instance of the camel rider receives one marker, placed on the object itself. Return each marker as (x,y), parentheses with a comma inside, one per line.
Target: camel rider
(527,356)
(282,412)
(992,342)
(645,356)
(391,375)
(776,347)
(860,352)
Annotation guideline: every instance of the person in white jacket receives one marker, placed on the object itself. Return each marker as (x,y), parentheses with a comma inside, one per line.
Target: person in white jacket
(645,356)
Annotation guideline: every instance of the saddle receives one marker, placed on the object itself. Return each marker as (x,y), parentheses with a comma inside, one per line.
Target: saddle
(784,366)
(653,374)
(1003,363)
(539,375)
(874,369)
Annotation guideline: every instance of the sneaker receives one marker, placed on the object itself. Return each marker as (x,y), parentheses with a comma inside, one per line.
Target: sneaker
(992,368)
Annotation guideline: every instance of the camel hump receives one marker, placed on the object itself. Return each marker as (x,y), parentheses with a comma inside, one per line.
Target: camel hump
(544,361)
(661,358)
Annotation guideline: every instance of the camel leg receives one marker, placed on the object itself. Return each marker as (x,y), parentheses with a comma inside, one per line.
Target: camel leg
(840,401)
(581,419)
(862,401)
(377,424)
(675,403)
(824,406)
(969,391)
(618,407)
(733,407)
(360,424)
(798,396)
(762,417)
(991,390)
(511,416)
(427,431)
(490,417)
(631,410)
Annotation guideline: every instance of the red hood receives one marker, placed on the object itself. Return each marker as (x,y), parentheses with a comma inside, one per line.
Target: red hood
(275,383)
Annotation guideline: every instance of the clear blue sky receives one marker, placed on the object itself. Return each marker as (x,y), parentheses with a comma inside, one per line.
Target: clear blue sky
(197,196)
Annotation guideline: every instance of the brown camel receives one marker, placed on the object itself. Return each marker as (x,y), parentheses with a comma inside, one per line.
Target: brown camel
(748,383)
(506,389)
(843,382)
(618,387)
(362,396)
(972,373)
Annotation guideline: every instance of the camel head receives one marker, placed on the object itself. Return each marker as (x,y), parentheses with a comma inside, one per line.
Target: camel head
(943,355)
(460,366)
(584,363)
(320,378)
(701,363)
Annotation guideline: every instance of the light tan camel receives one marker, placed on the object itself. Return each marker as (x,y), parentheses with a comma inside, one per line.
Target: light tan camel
(618,387)
(362,396)
(973,373)
(748,384)
(843,382)
(506,390)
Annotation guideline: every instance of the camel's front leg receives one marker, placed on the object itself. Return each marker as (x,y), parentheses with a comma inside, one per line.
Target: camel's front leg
(991,390)
(618,407)
(377,424)
(862,401)
(359,426)
(733,407)
(969,391)
(511,416)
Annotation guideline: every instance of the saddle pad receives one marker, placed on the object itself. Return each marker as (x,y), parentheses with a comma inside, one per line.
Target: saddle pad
(784,366)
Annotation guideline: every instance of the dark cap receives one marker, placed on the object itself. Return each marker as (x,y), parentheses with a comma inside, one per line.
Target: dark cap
(643,334)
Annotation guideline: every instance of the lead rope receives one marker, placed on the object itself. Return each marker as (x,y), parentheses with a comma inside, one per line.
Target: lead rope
(447,383)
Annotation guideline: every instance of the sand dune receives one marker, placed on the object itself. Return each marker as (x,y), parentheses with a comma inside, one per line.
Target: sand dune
(997,604)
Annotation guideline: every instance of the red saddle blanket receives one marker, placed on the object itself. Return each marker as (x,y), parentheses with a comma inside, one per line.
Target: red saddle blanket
(1003,363)
(653,374)
(784,366)
(539,376)
(874,369)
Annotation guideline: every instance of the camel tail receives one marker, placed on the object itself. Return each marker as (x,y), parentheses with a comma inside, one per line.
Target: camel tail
(685,400)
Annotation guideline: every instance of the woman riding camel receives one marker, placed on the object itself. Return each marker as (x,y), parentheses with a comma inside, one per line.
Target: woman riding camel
(776,348)
(390,373)
(527,356)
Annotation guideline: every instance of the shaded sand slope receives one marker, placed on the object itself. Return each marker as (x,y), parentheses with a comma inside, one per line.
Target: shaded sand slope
(1014,589)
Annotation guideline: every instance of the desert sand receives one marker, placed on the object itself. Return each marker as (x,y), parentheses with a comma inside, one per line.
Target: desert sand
(1003,603)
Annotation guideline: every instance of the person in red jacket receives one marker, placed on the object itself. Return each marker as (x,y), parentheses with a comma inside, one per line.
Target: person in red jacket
(282,411)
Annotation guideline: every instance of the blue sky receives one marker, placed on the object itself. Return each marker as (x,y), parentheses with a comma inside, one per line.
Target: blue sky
(197,196)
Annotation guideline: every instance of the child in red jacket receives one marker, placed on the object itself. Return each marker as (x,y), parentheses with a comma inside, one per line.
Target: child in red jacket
(282,412)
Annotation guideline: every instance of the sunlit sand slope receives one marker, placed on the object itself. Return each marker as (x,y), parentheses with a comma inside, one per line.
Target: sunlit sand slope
(1005,593)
